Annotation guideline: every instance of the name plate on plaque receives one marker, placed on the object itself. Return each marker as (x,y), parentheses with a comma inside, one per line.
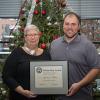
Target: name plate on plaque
(49,77)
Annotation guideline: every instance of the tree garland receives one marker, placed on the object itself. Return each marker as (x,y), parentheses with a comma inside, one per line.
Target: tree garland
(30,16)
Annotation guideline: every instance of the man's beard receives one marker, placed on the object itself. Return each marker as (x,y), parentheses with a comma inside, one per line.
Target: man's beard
(70,36)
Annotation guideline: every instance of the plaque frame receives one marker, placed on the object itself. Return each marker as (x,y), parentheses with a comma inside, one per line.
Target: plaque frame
(49,90)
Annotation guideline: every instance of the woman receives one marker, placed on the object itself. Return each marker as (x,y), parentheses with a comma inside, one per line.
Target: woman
(16,72)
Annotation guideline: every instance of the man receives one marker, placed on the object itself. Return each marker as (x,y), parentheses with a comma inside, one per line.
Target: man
(83,59)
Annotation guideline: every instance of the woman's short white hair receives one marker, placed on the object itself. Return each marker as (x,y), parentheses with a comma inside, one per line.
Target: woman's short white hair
(31,27)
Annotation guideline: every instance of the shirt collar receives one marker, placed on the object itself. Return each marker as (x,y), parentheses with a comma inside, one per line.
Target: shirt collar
(76,39)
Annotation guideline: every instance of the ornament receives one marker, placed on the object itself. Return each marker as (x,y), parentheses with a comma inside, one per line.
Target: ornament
(55,37)
(43,45)
(43,12)
(21,29)
(22,12)
(49,24)
(48,44)
(49,18)
(40,33)
(23,19)
(37,1)
(36,12)
(62,3)
(56,23)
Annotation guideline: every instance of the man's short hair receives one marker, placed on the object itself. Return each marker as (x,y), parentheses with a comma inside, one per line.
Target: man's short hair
(75,14)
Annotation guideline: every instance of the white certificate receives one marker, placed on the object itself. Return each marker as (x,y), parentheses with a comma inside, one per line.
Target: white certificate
(48,77)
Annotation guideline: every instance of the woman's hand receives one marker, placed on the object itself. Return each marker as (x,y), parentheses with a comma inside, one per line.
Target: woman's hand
(73,89)
(26,93)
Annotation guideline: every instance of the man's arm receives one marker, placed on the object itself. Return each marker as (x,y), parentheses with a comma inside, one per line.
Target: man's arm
(86,80)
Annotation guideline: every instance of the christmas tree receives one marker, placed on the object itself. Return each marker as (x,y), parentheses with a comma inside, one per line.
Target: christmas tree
(46,14)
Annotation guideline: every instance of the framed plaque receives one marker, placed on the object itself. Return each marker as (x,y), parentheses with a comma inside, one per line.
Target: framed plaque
(49,77)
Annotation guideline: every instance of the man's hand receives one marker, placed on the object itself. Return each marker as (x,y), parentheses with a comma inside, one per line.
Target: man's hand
(73,89)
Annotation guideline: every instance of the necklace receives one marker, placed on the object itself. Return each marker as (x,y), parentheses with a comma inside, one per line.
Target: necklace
(29,51)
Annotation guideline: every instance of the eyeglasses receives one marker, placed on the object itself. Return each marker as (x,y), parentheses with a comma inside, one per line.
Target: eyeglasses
(32,35)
